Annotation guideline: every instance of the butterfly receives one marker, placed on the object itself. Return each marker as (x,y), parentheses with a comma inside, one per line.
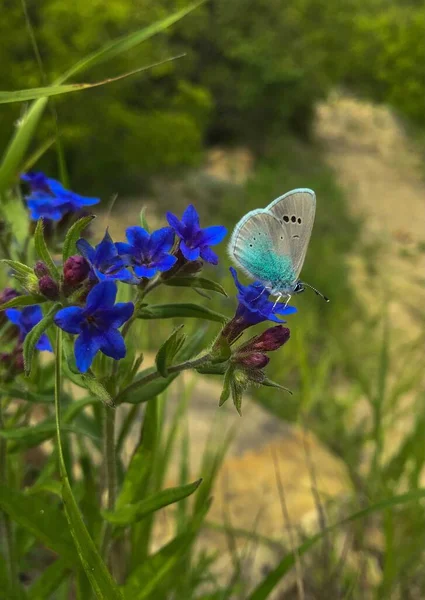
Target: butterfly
(270,244)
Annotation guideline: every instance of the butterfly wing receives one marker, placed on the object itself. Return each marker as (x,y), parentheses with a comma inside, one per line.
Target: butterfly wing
(261,248)
(295,211)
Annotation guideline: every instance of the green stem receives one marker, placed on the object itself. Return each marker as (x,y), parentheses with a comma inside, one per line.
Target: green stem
(6,523)
(188,364)
(109,455)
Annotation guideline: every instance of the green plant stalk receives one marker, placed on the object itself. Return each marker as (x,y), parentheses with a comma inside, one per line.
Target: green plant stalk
(6,524)
(110,472)
(188,364)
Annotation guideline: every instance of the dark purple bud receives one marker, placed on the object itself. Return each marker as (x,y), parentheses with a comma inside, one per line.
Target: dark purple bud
(253,360)
(48,287)
(271,339)
(40,269)
(19,361)
(8,294)
(75,270)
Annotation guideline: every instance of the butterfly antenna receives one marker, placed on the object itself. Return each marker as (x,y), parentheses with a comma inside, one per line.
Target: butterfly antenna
(325,298)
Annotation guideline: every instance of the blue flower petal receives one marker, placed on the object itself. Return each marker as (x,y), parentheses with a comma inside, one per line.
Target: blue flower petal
(113,344)
(86,250)
(209,256)
(213,235)
(70,319)
(189,253)
(165,262)
(117,315)
(14,315)
(143,271)
(137,236)
(124,249)
(235,279)
(281,309)
(190,217)
(123,275)
(105,251)
(161,241)
(85,349)
(44,344)
(101,296)
(174,222)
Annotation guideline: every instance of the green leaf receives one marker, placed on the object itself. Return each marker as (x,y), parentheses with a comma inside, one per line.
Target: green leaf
(196,282)
(46,522)
(209,369)
(25,275)
(95,387)
(269,383)
(49,580)
(14,155)
(59,89)
(33,435)
(236,395)
(227,383)
(42,250)
(131,513)
(73,235)
(169,311)
(25,300)
(29,396)
(221,351)
(137,395)
(34,335)
(264,589)
(168,351)
(143,221)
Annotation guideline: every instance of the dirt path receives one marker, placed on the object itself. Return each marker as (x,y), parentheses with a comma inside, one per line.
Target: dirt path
(379,171)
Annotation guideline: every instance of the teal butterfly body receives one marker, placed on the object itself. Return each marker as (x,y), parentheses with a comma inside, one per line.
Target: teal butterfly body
(270,244)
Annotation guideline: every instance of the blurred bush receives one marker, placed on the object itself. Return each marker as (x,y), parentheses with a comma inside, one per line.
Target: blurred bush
(253,68)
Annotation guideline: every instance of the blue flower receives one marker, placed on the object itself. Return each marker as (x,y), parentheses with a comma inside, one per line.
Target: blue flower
(105,261)
(25,320)
(148,253)
(50,200)
(196,242)
(97,324)
(254,304)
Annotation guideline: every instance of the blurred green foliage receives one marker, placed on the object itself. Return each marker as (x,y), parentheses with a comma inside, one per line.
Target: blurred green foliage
(253,68)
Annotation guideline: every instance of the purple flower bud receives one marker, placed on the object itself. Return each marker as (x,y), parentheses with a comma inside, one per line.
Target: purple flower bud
(48,287)
(75,270)
(40,269)
(253,360)
(271,339)
(8,294)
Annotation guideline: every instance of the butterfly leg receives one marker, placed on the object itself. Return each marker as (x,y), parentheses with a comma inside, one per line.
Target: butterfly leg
(260,294)
(288,297)
(276,301)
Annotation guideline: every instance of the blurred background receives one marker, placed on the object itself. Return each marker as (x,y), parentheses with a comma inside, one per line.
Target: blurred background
(272,95)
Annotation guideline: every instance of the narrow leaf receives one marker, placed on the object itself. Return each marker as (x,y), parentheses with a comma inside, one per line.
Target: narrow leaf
(49,580)
(35,334)
(18,267)
(33,435)
(46,522)
(196,282)
(131,513)
(136,395)
(56,90)
(143,221)
(73,235)
(269,383)
(24,300)
(168,351)
(169,311)
(42,250)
